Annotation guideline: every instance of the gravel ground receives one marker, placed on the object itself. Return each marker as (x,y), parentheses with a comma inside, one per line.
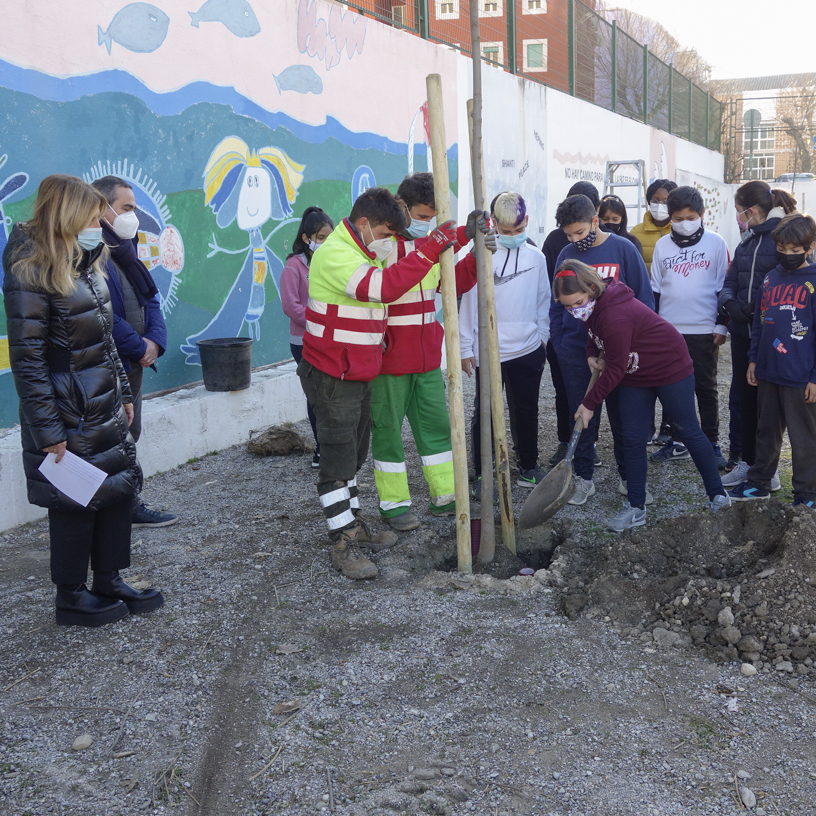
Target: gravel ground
(270,684)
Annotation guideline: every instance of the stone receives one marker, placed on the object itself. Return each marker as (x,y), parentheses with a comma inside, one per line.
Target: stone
(748,670)
(425,773)
(731,634)
(83,742)
(448,771)
(749,644)
(666,638)
(725,617)
(785,666)
(747,796)
(743,775)
(494,748)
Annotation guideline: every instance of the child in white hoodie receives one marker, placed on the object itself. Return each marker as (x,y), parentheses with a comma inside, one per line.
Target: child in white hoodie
(522,317)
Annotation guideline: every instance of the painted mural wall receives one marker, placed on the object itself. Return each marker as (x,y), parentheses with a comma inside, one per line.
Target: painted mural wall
(230,117)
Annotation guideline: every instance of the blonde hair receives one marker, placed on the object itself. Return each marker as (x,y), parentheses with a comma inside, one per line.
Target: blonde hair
(573,277)
(49,261)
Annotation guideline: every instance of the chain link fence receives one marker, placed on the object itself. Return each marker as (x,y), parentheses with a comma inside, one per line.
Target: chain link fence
(566,45)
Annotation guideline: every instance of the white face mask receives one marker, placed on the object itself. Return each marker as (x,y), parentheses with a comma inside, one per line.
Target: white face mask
(687,228)
(381,248)
(660,212)
(313,246)
(125,225)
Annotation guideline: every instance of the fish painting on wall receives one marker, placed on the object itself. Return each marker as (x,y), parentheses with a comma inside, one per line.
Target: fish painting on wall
(300,78)
(236,15)
(249,188)
(139,27)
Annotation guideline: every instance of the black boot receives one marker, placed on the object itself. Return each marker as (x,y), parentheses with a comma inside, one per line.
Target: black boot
(110,585)
(78,607)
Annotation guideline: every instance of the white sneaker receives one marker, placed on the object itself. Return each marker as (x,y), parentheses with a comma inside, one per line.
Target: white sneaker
(628,518)
(737,476)
(584,488)
(775,483)
(719,502)
(624,492)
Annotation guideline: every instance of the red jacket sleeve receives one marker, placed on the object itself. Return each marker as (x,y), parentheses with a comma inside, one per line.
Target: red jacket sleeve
(389,284)
(616,336)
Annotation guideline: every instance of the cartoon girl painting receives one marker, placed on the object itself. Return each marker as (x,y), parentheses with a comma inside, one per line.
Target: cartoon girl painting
(249,188)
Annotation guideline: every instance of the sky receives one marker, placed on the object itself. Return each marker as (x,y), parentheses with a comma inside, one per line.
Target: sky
(740,38)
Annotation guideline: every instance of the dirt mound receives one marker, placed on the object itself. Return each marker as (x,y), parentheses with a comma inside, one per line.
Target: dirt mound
(278,440)
(739,584)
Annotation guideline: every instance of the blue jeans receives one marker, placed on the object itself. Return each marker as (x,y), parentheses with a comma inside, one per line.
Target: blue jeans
(637,409)
(576,374)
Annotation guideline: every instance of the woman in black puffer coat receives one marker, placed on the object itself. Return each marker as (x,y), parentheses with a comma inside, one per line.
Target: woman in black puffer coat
(760,208)
(74,396)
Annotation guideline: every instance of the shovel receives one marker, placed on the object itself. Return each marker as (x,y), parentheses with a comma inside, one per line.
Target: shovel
(555,490)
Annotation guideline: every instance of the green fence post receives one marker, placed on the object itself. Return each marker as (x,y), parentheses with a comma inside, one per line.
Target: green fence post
(571,44)
(689,110)
(645,84)
(671,96)
(614,66)
(708,128)
(511,36)
(422,13)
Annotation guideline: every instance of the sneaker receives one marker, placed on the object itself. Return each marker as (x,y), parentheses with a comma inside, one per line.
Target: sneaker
(530,478)
(662,439)
(628,518)
(597,461)
(347,558)
(143,516)
(375,542)
(584,488)
(404,522)
(747,492)
(560,453)
(477,491)
(448,509)
(737,475)
(719,502)
(718,455)
(804,503)
(671,452)
(316,460)
(775,483)
(734,457)
(624,492)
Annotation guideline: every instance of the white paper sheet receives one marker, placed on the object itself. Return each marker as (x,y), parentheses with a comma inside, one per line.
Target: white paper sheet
(76,478)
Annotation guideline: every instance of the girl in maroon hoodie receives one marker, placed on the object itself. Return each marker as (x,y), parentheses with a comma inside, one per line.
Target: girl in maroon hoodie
(648,359)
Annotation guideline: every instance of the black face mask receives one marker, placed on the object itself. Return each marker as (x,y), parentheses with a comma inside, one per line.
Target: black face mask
(790,262)
(616,228)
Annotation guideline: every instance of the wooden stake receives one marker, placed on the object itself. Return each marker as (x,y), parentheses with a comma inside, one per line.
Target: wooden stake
(494,362)
(436,117)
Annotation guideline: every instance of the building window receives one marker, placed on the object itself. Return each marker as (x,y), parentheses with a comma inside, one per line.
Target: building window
(760,167)
(491,8)
(447,9)
(535,56)
(533,6)
(493,52)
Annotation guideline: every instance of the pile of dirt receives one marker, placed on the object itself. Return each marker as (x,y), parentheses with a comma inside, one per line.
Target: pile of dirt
(738,584)
(278,440)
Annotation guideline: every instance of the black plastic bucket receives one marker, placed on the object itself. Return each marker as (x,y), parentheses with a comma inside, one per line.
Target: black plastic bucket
(226,363)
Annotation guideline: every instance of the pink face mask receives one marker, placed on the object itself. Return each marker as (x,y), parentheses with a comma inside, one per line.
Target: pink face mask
(582,313)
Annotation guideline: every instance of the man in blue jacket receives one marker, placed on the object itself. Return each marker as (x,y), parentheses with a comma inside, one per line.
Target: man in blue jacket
(139,330)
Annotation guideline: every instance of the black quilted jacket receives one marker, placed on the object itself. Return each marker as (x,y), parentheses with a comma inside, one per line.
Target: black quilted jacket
(70,382)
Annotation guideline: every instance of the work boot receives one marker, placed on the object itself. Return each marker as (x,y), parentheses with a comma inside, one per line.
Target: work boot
(402,523)
(347,558)
(381,540)
(111,586)
(76,606)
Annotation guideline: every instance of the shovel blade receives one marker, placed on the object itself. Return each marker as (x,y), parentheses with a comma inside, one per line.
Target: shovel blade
(548,496)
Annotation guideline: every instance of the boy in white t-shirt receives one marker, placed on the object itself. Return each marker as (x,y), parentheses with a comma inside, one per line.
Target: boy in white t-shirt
(688,271)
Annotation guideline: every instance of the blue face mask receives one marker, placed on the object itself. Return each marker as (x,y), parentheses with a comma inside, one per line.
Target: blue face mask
(418,229)
(90,238)
(513,241)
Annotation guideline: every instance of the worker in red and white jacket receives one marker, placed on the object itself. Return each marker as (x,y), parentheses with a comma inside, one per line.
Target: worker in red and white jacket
(411,382)
(342,353)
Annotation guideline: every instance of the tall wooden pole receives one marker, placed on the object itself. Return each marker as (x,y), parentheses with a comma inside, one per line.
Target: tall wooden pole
(436,118)
(487,295)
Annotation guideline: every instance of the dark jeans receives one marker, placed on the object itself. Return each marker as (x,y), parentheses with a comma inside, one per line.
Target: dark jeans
(343,412)
(780,408)
(577,375)
(637,407)
(521,379)
(734,429)
(77,535)
(135,377)
(297,353)
(562,415)
(704,355)
(747,396)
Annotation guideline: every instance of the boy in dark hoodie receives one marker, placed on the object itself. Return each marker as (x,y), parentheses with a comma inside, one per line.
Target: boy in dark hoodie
(782,364)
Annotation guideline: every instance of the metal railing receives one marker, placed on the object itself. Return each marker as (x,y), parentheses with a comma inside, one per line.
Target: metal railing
(567,45)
